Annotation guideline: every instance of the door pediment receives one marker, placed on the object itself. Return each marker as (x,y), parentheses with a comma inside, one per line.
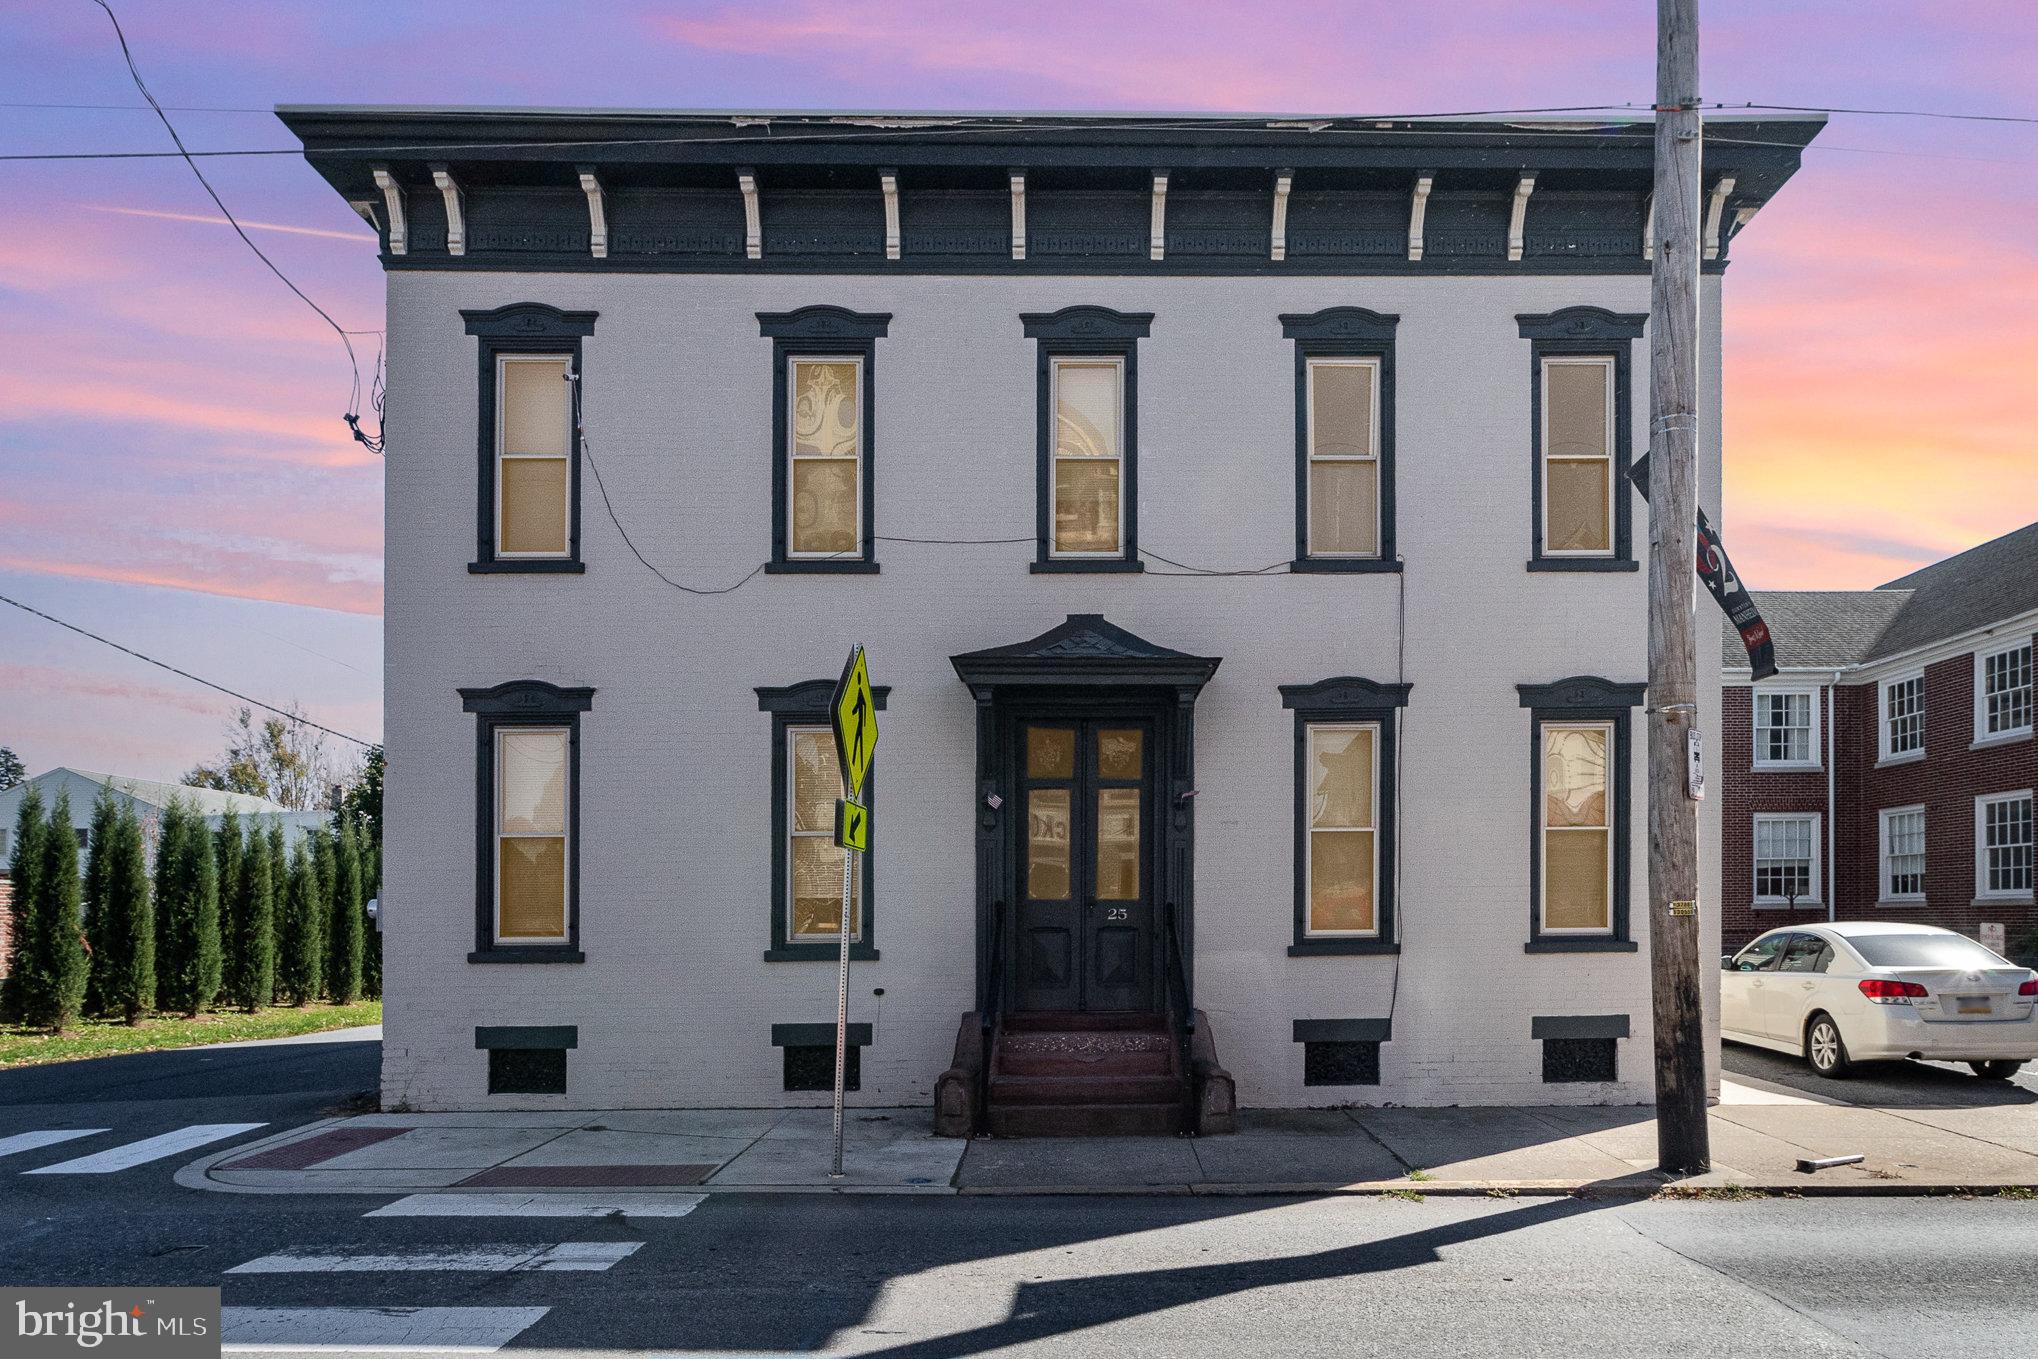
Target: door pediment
(1086,649)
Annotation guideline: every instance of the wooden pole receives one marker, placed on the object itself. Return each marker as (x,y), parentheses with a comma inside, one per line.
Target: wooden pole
(1682,1144)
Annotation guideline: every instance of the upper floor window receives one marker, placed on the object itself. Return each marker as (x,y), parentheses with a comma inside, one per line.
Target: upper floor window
(824,361)
(528,482)
(1086,514)
(2002,845)
(1903,854)
(1344,439)
(1579,849)
(1786,859)
(1786,728)
(2002,692)
(1581,413)
(1903,716)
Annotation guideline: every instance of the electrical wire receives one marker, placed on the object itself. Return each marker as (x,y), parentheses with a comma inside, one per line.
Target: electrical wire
(283,713)
(352,417)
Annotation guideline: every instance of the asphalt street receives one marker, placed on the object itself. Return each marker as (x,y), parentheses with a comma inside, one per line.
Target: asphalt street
(930,1277)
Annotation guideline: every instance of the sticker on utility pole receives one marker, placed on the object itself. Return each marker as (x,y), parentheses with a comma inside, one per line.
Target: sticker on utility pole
(852,825)
(1684,908)
(1694,768)
(855,713)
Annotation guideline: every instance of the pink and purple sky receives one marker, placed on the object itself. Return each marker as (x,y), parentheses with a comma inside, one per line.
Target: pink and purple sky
(173,472)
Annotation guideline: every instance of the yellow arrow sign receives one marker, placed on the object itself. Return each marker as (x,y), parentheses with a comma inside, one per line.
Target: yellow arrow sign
(852,825)
(855,713)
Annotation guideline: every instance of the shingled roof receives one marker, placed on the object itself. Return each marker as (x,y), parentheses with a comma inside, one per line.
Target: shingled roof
(1983,585)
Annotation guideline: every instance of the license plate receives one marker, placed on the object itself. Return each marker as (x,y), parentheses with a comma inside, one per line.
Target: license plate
(1972,1005)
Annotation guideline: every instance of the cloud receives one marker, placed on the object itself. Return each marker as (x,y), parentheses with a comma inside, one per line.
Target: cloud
(247,223)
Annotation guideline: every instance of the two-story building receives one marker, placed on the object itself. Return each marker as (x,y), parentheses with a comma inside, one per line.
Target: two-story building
(1236,514)
(1886,771)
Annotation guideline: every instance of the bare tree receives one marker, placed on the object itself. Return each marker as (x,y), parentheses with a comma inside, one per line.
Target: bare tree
(277,758)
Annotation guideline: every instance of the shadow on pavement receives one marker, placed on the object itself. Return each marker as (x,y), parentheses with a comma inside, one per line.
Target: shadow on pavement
(1893,1085)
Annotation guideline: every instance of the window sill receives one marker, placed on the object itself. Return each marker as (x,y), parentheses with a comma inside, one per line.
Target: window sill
(1309,948)
(1586,564)
(546,567)
(1584,945)
(2004,899)
(1356,566)
(1900,901)
(533,953)
(1908,757)
(819,953)
(1059,566)
(1779,904)
(2001,738)
(847,567)
(1787,766)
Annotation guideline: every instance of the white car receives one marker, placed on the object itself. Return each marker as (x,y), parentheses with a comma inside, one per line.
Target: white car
(1871,991)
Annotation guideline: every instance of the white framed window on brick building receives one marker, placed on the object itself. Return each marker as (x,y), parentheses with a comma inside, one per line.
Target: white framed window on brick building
(2002,693)
(1786,728)
(1901,703)
(1903,854)
(2002,846)
(1787,859)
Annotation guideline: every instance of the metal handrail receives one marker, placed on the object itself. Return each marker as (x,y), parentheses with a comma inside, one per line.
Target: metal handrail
(994,991)
(1180,1003)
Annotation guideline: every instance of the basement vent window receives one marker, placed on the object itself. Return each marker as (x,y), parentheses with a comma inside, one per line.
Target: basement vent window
(812,1067)
(1340,1063)
(1579,1059)
(527,1071)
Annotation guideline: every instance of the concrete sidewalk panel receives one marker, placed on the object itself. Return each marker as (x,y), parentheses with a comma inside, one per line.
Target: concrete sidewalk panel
(1897,1146)
(1291,1159)
(2013,1126)
(1491,1144)
(479,1118)
(869,1124)
(1079,1162)
(437,1148)
(351,1181)
(804,1162)
(746,1124)
(1296,1122)
(586,1147)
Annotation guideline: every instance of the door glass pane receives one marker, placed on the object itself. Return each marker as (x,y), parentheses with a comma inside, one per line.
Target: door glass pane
(537,409)
(1344,513)
(1117,844)
(824,504)
(1120,752)
(817,782)
(533,505)
(1341,419)
(1050,753)
(1341,776)
(1574,878)
(824,409)
(817,888)
(1576,415)
(1574,776)
(1085,505)
(531,773)
(531,887)
(1047,844)
(1340,880)
(1086,410)
(1578,510)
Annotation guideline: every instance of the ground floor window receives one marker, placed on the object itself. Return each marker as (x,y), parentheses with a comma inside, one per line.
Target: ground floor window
(2002,845)
(1786,859)
(1903,854)
(527,832)
(806,863)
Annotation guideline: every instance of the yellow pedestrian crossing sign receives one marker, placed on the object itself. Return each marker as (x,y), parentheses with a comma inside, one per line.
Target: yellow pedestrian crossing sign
(855,713)
(852,825)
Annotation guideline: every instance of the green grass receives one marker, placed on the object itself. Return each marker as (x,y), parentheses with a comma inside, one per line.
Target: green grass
(1405,1195)
(101,1038)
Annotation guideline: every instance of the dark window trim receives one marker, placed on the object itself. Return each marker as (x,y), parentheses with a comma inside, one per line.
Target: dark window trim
(1343,333)
(523,328)
(1583,698)
(805,705)
(817,1035)
(1587,331)
(821,332)
(1347,698)
(523,703)
(527,1036)
(1077,332)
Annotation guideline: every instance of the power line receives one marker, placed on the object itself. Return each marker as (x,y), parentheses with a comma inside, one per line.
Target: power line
(352,417)
(1894,113)
(283,713)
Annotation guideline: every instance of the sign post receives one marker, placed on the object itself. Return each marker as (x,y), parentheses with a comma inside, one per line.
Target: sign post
(854,712)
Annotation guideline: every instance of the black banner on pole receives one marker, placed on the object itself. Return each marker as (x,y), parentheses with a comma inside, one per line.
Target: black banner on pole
(1724,583)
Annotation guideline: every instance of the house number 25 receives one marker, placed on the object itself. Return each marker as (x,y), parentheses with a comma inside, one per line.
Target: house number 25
(1117,913)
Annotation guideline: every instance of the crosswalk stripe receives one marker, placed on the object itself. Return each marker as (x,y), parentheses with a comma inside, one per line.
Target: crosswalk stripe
(591,1257)
(540,1205)
(148,1149)
(371,1330)
(29,1141)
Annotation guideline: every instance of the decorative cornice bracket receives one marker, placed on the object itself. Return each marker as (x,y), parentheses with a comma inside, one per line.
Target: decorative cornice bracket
(1283,183)
(597,214)
(1157,235)
(753,221)
(456,210)
(889,182)
(392,202)
(1517,221)
(1018,178)
(1418,209)
(1715,210)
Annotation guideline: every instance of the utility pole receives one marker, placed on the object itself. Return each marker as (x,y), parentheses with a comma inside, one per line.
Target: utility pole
(1682,1143)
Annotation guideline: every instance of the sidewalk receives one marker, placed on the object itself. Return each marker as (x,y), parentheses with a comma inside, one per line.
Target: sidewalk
(1758,1134)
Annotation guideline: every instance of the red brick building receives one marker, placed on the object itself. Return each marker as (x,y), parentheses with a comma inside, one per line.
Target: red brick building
(1887,771)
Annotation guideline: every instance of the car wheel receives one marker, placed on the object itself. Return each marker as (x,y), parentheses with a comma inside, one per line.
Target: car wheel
(1825,1049)
(1996,1071)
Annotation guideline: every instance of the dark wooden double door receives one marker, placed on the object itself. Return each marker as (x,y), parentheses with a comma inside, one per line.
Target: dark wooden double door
(1084,934)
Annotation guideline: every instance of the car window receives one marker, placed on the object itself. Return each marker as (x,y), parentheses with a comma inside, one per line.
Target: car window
(1761,955)
(1925,950)
(1807,953)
